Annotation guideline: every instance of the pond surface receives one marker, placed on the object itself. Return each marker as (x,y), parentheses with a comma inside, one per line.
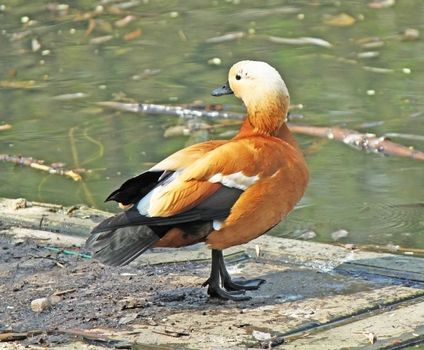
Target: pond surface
(58,60)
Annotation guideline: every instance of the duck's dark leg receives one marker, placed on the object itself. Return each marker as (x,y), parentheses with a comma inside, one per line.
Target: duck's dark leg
(214,280)
(239,284)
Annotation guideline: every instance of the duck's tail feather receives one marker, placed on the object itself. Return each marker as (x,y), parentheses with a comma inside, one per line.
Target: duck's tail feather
(117,245)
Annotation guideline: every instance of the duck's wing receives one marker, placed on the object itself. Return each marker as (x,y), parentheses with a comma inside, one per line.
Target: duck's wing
(233,165)
(132,190)
(187,156)
(122,238)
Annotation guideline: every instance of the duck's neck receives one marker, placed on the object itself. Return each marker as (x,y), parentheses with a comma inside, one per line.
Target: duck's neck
(269,119)
(282,132)
(266,115)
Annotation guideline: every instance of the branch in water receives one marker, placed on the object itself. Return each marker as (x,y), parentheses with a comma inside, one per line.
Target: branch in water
(39,165)
(355,139)
(180,111)
(213,111)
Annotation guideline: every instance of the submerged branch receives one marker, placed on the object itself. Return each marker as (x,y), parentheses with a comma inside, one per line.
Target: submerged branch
(39,165)
(360,141)
(180,111)
(353,138)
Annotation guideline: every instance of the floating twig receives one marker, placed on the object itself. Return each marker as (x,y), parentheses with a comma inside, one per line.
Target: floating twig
(360,141)
(226,37)
(300,41)
(214,111)
(39,165)
(180,111)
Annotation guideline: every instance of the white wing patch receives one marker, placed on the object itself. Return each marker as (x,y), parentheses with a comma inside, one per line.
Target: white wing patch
(236,180)
(143,206)
(144,203)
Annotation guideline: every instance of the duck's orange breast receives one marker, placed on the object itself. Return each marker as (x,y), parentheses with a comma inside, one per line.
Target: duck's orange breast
(282,179)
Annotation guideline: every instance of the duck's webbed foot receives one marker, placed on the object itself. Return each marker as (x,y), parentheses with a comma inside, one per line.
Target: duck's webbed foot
(233,290)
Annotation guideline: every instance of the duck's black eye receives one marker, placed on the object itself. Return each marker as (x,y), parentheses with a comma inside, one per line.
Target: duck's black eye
(238,77)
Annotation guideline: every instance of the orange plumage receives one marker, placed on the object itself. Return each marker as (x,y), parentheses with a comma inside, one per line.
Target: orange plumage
(221,192)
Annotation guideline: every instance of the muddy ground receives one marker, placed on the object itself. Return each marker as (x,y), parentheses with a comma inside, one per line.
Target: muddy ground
(158,303)
(93,296)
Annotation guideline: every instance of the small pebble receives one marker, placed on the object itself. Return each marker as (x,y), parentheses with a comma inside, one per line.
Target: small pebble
(258,335)
(216,61)
(350,246)
(39,305)
(19,203)
(309,234)
(339,234)
(370,92)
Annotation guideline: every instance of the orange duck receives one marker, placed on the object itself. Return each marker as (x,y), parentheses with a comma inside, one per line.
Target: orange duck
(221,192)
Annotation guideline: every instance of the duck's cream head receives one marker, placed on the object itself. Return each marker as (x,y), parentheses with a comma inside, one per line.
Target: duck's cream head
(262,90)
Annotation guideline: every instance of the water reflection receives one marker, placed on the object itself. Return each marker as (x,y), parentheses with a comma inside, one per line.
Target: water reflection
(162,55)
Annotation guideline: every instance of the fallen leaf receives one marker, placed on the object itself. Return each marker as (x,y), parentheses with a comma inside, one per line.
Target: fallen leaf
(132,35)
(340,20)
(381,4)
(124,21)
(5,127)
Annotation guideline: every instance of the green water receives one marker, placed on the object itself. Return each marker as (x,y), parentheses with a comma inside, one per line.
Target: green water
(375,198)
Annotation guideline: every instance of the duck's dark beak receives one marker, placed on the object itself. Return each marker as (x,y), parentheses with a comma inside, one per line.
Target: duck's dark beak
(222,90)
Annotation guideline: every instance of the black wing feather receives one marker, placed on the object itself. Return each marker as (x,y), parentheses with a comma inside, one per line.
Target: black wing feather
(120,239)
(132,190)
